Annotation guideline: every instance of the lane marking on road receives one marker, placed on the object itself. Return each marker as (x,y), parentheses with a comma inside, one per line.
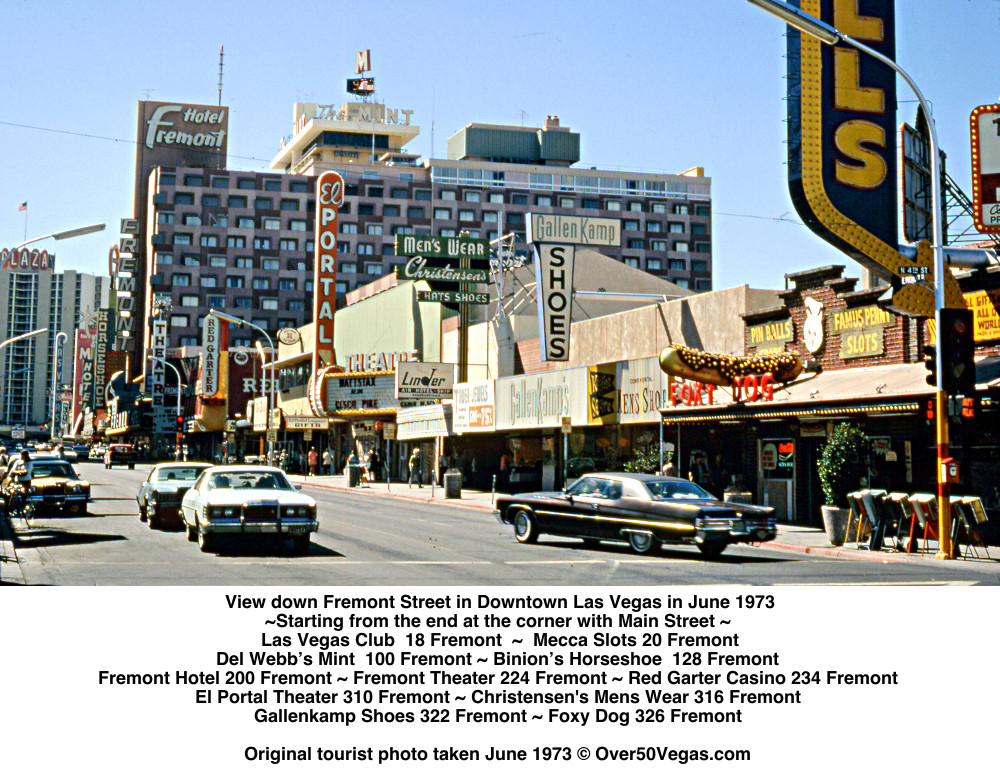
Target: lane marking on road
(560,562)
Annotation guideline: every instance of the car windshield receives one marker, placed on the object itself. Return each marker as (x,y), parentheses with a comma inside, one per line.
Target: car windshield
(52,470)
(248,479)
(177,473)
(677,490)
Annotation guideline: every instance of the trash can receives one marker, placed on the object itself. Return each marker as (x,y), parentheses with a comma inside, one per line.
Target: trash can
(354,474)
(453,485)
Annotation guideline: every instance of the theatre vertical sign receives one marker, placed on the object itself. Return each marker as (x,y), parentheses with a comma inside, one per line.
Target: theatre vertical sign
(329,198)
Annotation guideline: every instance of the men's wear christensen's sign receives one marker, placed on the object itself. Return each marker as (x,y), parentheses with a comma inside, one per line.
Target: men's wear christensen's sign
(554,292)
(423,380)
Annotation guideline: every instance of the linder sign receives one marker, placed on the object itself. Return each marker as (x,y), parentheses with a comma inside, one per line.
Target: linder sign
(842,168)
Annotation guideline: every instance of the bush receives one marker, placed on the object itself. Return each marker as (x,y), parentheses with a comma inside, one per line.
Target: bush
(842,463)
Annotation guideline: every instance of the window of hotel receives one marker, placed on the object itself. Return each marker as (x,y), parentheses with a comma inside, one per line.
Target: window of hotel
(635,244)
(699,266)
(682,283)
(348,228)
(261,202)
(466,215)
(218,220)
(447,195)
(496,198)
(703,211)
(654,264)
(234,282)
(565,202)
(682,247)
(421,195)
(182,238)
(261,284)
(241,342)
(703,247)
(658,245)
(262,242)
(297,225)
(415,212)
(237,202)
(285,284)
(245,184)
(635,206)
(289,244)
(676,263)
(220,181)
(365,248)
(308,287)
(613,205)
(630,225)
(271,264)
(373,229)
(210,199)
(699,229)
(703,284)
(215,302)
(190,219)
(180,321)
(375,192)
(244,222)
(472,196)
(590,203)
(543,200)
(401,230)
(682,209)
(390,210)
(167,179)
(186,199)
(373,269)
(209,240)
(447,232)
(243,302)
(491,217)
(653,226)
(272,185)
(219,261)
(180,280)
(190,260)
(194,180)
(343,247)
(631,261)
(658,208)
(298,187)
(519,198)
(366,210)
(207,281)
(348,267)
(341,288)
(165,218)
(398,192)
(289,205)
(675,228)
(441,213)
(310,245)
(236,241)
(268,303)
(271,224)
(164,259)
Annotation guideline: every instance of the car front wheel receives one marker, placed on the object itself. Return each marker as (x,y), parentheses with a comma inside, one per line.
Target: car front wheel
(525,529)
(643,542)
(711,549)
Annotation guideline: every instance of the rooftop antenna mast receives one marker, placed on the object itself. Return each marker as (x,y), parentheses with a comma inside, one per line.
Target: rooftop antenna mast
(220,74)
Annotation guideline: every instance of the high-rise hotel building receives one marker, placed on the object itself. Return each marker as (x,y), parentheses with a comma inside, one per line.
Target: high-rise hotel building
(242,242)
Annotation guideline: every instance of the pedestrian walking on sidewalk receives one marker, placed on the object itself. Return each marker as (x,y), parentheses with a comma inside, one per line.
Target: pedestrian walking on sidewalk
(328,462)
(313,459)
(414,465)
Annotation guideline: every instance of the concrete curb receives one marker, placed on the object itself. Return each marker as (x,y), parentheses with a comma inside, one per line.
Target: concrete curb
(10,566)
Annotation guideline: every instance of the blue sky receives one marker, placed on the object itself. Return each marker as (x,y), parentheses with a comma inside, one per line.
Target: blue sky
(650,86)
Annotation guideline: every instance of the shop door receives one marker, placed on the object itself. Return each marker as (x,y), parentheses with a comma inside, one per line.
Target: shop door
(776,460)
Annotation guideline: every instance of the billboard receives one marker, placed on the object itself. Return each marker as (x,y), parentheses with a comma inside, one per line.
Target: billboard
(361,86)
(985,126)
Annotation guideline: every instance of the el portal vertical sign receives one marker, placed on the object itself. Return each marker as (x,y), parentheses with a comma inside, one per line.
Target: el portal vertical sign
(329,198)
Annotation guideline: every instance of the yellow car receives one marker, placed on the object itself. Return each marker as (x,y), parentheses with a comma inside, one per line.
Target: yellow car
(52,484)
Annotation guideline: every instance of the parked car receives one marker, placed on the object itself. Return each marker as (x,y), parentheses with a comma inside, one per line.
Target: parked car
(160,493)
(645,510)
(82,452)
(240,500)
(119,453)
(53,484)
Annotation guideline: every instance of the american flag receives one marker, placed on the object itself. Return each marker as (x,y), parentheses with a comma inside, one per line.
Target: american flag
(22,206)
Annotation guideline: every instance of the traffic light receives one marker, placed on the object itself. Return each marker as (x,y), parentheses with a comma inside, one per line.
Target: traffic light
(958,366)
(180,424)
(930,361)
(930,407)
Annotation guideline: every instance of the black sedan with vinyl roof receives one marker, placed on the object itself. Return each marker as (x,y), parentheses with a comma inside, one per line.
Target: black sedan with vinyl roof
(645,510)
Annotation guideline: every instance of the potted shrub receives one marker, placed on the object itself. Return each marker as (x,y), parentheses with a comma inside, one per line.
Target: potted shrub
(842,464)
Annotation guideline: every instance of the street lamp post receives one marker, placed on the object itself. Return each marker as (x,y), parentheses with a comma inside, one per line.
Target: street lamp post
(176,372)
(55,371)
(58,235)
(271,405)
(830,35)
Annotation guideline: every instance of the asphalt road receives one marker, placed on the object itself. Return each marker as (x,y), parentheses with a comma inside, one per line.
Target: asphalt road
(370,540)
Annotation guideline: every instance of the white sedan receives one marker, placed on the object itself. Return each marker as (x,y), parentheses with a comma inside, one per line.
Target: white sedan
(244,500)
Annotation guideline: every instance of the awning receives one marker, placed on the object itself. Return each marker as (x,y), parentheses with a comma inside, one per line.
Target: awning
(421,423)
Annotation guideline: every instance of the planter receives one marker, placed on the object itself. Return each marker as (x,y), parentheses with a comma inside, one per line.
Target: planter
(835,523)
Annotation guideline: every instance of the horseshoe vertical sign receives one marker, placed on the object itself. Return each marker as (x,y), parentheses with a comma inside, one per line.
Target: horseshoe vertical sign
(329,198)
